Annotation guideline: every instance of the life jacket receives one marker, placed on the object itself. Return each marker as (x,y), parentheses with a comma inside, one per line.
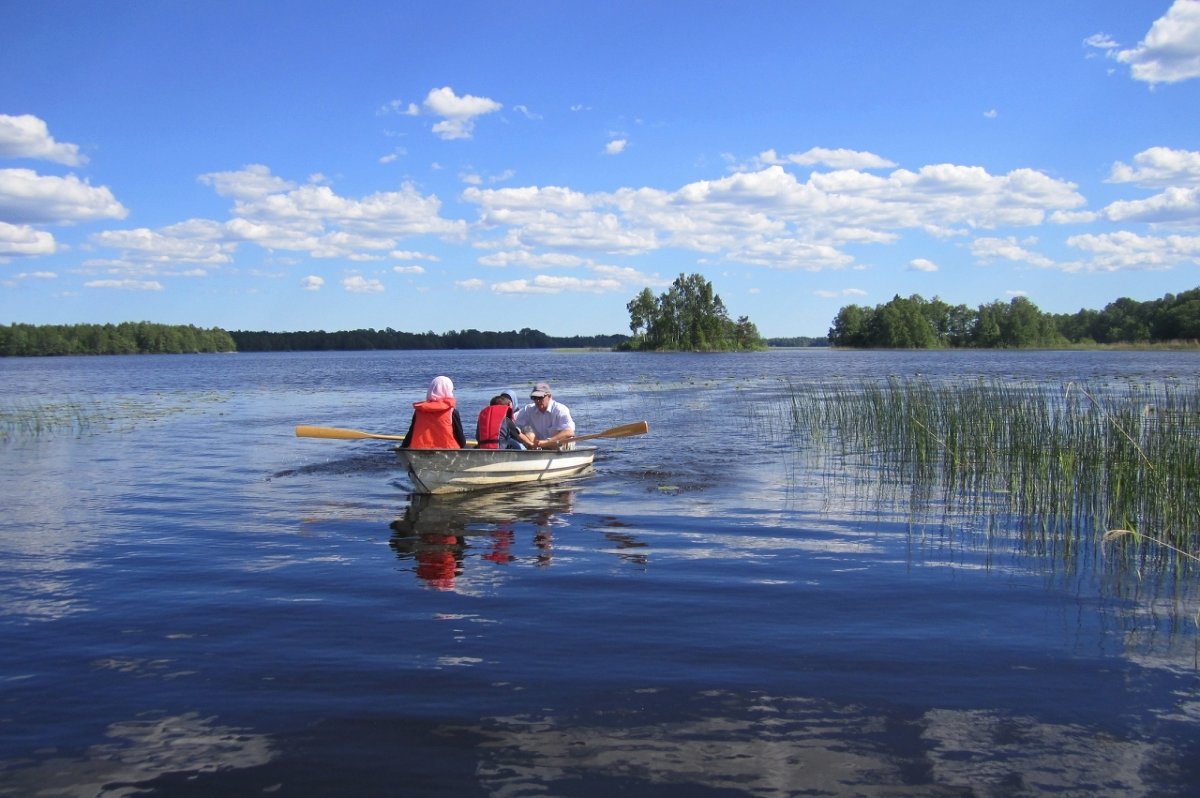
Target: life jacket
(433,425)
(487,430)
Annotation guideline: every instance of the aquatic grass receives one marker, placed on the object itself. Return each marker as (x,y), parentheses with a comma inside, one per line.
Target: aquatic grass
(31,417)
(32,420)
(1066,459)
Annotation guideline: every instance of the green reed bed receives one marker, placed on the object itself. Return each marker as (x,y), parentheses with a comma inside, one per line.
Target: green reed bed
(32,420)
(1069,459)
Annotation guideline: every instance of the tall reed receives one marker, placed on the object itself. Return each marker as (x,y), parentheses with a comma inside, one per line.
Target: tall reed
(1070,459)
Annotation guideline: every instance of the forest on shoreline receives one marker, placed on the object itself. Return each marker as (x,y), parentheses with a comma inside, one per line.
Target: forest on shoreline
(903,323)
(917,323)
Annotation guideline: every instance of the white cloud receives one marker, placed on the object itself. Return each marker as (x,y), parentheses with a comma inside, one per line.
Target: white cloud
(1158,167)
(768,217)
(193,242)
(458,113)
(474,284)
(1170,52)
(24,241)
(312,283)
(29,198)
(1174,205)
(357,284)
(615,147)
(126,285)
(989,249)
(532,260)
(845,292)
(835,158)
(546,284)
(251,182)
(1124,250)
(1102,41)
(991,113)
(278,215)
(1014,292)
(400,107)
(408,269)
(922,265)
(27,136)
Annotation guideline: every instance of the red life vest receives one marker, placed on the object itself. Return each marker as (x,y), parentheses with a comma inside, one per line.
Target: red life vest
(487,430)
(433,425)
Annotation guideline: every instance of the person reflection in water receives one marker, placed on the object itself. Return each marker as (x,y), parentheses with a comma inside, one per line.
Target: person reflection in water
(438,554)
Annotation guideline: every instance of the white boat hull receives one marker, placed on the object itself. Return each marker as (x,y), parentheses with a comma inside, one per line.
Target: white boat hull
(437,471)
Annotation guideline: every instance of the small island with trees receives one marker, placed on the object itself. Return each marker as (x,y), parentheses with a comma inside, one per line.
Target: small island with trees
(689,316)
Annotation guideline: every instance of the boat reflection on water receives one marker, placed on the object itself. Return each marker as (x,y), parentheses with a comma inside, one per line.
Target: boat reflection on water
(439,533)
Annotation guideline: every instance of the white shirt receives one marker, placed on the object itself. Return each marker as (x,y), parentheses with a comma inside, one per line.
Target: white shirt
(555,418)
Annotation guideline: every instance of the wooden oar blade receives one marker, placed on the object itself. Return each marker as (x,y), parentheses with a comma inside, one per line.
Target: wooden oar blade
(636,428)
(334,433)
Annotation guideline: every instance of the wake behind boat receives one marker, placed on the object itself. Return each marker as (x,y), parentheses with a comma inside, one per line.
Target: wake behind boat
(437,471)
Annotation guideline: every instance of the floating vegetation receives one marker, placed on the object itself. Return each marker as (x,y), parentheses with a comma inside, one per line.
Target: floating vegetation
(38,418)
(1069,460)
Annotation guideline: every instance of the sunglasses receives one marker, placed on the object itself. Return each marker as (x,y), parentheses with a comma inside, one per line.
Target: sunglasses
(539,398)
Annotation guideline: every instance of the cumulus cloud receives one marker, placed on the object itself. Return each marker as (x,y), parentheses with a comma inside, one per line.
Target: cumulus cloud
(1124,250)
(251,182)
(280,215)
(185,243)
(615,147)
(834,158)
(990,248)
(922,265)
(547,284)
(824,293)
(1159,166)
(312,283)
(458,113)
(474,284)
(768,217)
(1174,205)
(22,240)
(1170,51)
(357,284)
(126,285)
(27,136)
(404,254)
(408,269)
(29,198)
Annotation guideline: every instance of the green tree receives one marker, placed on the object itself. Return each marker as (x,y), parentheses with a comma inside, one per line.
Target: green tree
(688,316)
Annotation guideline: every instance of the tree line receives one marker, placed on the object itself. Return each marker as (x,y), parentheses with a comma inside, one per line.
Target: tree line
(139,338)
(689,316)
(318,340)
(126,338)
(917,323)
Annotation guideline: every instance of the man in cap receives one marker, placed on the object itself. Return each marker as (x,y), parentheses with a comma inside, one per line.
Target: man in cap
(548,421)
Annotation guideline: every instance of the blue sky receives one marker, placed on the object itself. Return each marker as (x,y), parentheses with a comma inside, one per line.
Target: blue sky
(438,166)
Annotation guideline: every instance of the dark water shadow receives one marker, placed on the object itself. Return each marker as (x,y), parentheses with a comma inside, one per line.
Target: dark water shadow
(359,462)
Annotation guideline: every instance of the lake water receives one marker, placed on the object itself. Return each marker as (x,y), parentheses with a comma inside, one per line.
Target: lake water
(195,602)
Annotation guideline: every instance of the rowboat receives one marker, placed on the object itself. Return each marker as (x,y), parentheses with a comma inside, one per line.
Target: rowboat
(437,471)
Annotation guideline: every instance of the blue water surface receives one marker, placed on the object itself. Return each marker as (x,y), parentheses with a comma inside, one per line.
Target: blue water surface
(194,601)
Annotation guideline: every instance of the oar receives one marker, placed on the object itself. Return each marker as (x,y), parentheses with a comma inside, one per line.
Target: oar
(636,428)
(341,434)
(303,431)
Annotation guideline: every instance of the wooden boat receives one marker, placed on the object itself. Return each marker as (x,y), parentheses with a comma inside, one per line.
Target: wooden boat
(437,471)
